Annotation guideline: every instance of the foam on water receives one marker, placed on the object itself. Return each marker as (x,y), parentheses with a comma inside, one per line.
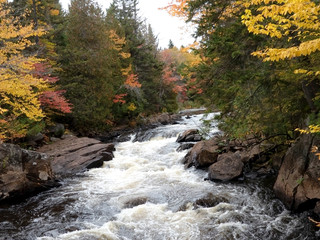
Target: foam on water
(145,193)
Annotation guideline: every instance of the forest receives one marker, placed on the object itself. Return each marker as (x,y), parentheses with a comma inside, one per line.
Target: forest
(260,64)
(87,68)
(232,172)
(256,62)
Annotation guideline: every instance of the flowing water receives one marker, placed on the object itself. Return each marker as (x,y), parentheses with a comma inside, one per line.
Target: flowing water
(145,193)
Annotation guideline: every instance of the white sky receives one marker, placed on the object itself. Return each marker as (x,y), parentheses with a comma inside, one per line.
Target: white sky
(165,26)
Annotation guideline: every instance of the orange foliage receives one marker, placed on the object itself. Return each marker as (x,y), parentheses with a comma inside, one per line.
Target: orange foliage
(177,8)
(119,98)
(132,81)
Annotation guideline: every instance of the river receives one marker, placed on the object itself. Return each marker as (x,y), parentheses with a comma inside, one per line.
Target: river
(145,193)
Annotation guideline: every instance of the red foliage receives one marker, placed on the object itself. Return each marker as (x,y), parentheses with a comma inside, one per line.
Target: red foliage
(169,76)
(119,98)
(42,70)
(55,100)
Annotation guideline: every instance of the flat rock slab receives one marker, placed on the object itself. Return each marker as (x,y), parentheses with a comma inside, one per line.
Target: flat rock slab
(73,155)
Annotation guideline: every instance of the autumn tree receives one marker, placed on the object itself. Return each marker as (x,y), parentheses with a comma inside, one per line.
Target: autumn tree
(178,74)
(142,46)
(20,89)
(89,62)
(45,14)
(254,97)
(297,24)
(127,92)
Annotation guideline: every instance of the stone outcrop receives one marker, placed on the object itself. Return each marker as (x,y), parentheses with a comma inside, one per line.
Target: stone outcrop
(202,154)
(72,155)
(228,167)
(297,184)
(228,159)
(23,172)
(191,135)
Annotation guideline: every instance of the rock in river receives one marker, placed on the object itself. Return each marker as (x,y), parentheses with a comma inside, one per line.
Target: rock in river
(191,135)
(73,155)
(203,154)
(227,168)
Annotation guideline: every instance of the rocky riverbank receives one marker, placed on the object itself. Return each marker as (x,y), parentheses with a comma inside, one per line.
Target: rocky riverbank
(24,172)
(297,169)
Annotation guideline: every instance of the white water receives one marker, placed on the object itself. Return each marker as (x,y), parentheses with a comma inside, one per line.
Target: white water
(104,203)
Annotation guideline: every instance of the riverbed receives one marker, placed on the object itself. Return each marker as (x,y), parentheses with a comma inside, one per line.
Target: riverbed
(146,193)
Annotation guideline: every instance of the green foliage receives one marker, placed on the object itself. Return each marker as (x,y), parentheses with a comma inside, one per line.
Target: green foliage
(142,45)
(254,97)
(87,66)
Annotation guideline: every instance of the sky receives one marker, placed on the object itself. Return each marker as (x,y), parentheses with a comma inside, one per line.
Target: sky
(165,26)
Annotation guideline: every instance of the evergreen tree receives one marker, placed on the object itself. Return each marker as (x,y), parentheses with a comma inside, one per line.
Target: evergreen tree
(170,45)
(142,45)
(87,67)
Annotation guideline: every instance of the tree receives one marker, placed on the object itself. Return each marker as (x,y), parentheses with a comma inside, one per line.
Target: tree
(19,89)
(45,14)
(297,23)
(254,97)
(142,46)
(170,45)
(178,74)
(87,67)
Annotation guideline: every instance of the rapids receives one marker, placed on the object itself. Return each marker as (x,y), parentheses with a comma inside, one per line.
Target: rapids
(145,193)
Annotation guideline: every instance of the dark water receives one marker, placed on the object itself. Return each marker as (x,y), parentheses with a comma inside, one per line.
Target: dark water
(145,193)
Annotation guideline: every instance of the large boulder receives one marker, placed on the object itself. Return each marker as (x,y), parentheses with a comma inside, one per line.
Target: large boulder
(191,135)
(298,184)
(23,172)
(228,167)
(72,155)
(202,154)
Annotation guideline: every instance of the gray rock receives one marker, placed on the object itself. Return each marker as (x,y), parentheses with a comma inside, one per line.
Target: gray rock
(191,135)
(202,155)
(73,155)
(35,138)
(185,146)
(23,172)
(297,184)
(135,202)
(107,156)
(57,130)
(229,167)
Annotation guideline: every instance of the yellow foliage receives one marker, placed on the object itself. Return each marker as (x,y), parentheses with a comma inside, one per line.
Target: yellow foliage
(19,89)
(311,129)
(132,107)
(282,18)
(54,12)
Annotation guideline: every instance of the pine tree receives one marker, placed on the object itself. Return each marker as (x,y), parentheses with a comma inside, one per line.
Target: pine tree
(87,67)
(170,45)
(146,64)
